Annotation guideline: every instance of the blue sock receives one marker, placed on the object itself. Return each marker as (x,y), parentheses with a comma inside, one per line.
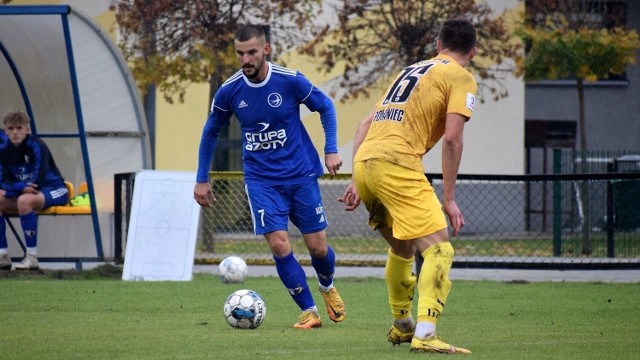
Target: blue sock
(325,268)
(3,233)
(295,280)
(29,224)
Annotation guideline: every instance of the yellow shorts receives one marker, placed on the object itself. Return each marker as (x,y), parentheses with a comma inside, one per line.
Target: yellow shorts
(398,198)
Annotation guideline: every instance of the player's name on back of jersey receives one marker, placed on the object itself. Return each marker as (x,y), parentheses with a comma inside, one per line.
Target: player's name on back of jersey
(389,114)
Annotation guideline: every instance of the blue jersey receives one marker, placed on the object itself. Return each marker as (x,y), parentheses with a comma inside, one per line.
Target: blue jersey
(29,162)
(276,145)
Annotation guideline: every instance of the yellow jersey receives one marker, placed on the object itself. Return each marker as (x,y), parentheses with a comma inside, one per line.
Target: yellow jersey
(410,119)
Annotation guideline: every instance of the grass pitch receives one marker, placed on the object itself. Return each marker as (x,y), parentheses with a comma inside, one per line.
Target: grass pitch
(95,315)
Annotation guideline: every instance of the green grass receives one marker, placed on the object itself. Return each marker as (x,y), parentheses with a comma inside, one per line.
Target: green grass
(93,315)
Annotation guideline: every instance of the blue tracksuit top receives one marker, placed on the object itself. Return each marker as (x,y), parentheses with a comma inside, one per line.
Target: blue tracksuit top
(29,162)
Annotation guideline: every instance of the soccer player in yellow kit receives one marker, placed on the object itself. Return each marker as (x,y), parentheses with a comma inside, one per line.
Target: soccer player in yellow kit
(429,100)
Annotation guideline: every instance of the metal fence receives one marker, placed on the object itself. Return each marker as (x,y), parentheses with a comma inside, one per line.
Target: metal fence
(567,221)
(570,161)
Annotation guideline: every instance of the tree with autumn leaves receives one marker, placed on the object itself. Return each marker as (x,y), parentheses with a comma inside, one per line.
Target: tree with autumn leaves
(570,39)
(174,43)
(376,39)
(580,40)
(170,44)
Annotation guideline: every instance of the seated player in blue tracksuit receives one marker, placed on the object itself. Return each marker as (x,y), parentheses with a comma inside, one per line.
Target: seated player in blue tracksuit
(30,181)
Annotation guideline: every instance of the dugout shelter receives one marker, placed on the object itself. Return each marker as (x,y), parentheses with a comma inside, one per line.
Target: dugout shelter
(63,70)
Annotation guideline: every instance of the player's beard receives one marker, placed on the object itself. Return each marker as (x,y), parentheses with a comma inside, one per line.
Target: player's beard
(251,71)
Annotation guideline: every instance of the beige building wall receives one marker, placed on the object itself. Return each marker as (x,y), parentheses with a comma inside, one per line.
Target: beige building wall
(179,127)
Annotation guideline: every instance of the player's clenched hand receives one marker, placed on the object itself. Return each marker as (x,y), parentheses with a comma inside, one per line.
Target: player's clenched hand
(203,194)
(350,198)
(455,216)
(31,188)
(333,162)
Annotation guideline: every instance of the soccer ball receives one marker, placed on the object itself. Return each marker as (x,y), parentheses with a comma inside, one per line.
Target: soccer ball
(232,270)
(244,309)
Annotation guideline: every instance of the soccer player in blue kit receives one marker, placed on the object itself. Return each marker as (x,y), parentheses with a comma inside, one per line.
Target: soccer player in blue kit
(281,166)
(29,181)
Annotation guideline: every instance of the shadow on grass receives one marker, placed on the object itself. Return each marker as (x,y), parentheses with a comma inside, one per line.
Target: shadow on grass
(106,272)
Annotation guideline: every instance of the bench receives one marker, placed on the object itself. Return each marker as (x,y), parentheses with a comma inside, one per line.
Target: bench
(66,209)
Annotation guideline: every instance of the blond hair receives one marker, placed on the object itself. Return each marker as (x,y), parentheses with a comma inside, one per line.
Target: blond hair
(16,118)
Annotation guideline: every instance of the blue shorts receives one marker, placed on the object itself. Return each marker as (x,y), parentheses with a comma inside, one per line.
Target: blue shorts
(272,206)
(55,196)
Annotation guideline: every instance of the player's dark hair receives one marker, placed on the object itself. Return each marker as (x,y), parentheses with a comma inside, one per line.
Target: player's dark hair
(248,32)
(458,35)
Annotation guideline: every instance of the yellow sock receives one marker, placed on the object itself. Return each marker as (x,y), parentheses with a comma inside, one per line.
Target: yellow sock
(400,284)
(433,282)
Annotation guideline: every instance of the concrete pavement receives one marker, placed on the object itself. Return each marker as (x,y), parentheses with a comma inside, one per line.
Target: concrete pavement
(621,276)
(618,276)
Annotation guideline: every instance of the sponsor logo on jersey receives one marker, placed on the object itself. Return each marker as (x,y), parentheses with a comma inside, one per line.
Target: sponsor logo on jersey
(242,104)
(274,100)
(21,173)
(471,101)
(265,140)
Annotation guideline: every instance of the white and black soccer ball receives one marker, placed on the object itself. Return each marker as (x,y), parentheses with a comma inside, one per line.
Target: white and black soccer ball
(232,270)
(244,309)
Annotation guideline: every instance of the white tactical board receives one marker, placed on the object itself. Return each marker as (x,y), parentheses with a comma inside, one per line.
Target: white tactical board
(163,227)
